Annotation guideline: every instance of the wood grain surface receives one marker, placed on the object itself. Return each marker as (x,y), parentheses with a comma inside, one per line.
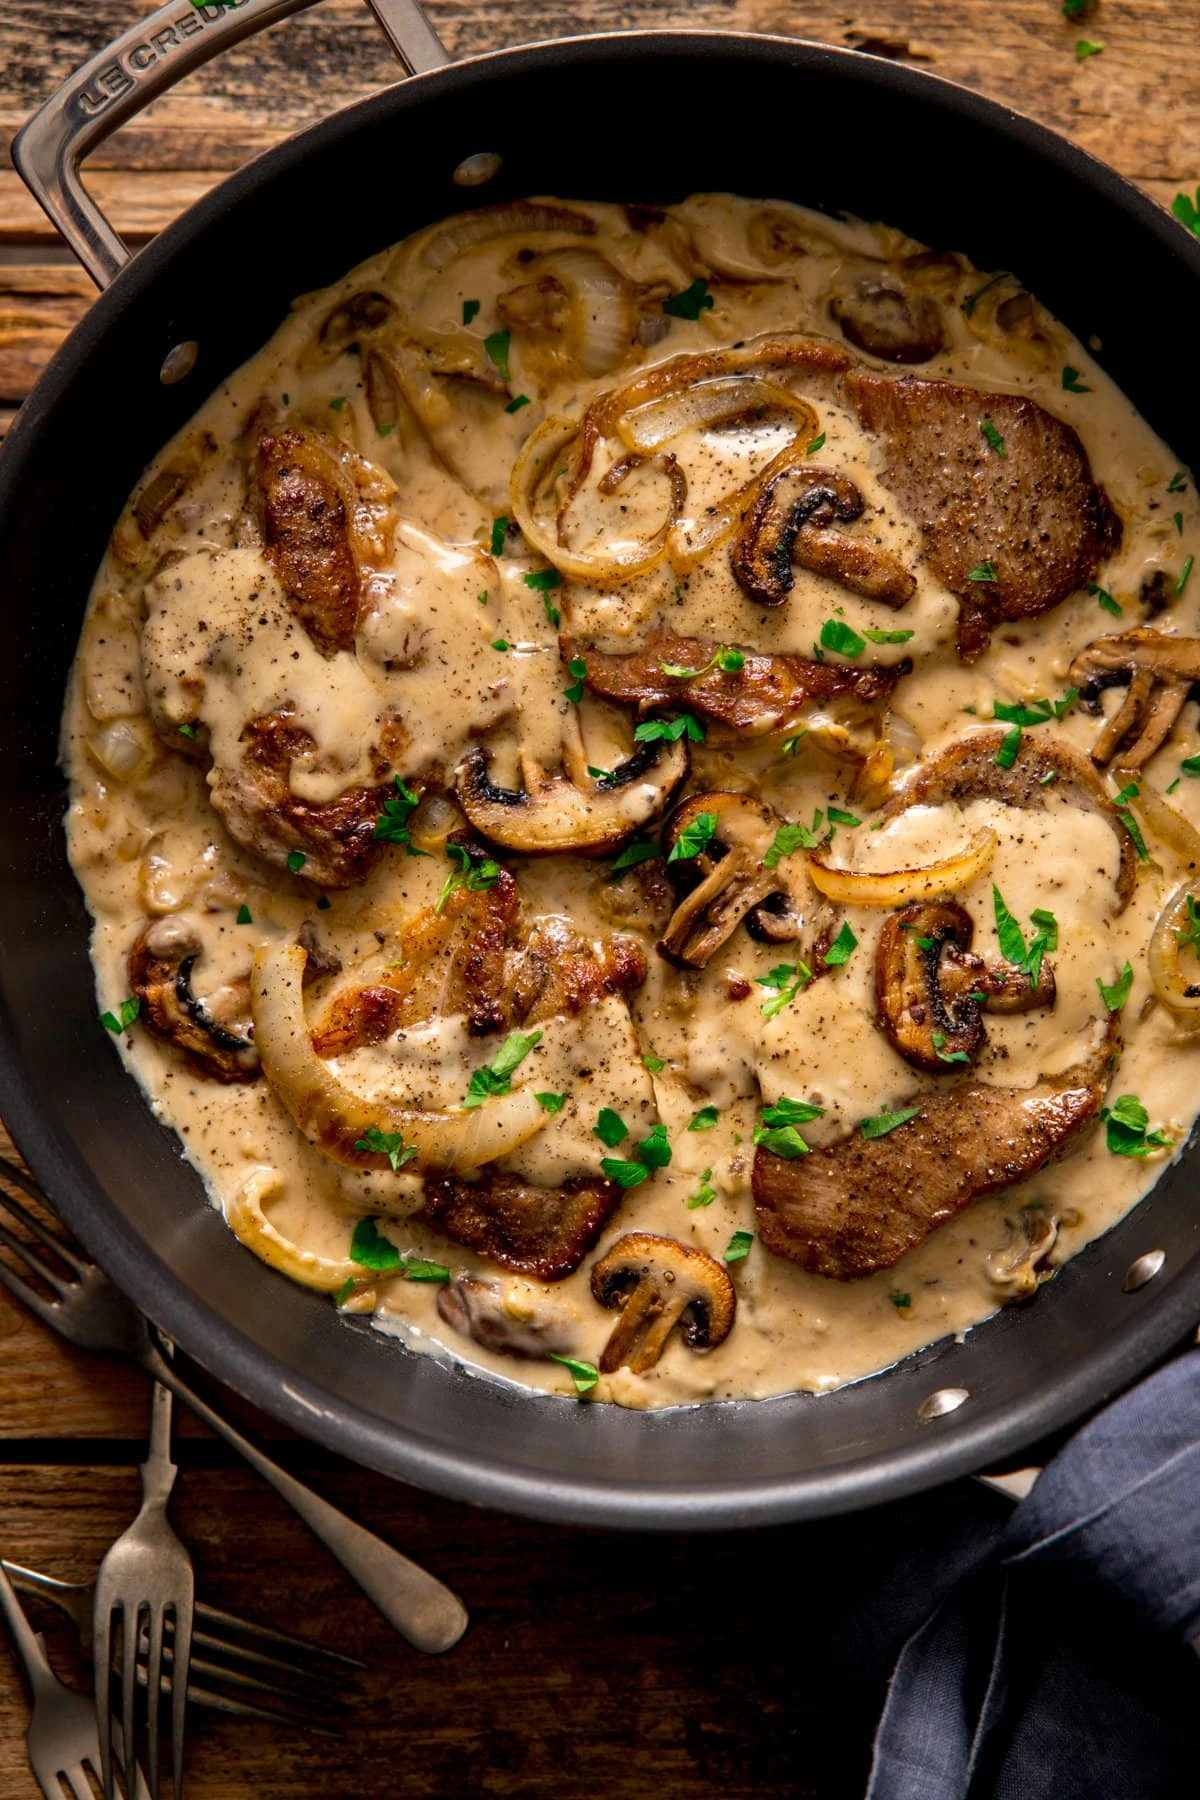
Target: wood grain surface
(631,1666)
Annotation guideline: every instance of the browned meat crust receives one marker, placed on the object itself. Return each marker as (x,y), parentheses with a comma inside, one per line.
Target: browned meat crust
(860,1204)
(544,1232)
(336,838)
(160,966)
(1035,514)
(306,520)
(769,693)
(968,770)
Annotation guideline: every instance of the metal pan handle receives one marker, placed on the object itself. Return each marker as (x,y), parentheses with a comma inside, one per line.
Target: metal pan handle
(120,80)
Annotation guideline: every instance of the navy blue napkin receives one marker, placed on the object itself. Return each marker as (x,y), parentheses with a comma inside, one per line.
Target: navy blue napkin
(1055,1663)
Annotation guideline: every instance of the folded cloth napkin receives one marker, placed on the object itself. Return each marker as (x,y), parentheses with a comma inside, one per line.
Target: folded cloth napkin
(1055,1662)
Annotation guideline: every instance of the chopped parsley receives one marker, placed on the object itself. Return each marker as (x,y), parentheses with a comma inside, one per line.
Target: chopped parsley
(1191,765)
(496,344)
(123,1018)
(1075,9)
(543,580)
(993,436)
(739,1246)
(1018,714)
(470,311)
(577,669)
(1183,574)
(889,637)
(1013,948)
(944,1055)
(786,979)
(1049,776)
(726,658)
(516,403)
(551,1103)
(499,533)
(338,401)
(781,1140)
(791,746)
(838,817)
(386,1143)
(694,839)
(1126,1122)
(186,730)
(1121,802)
(1006,755)
(842,947)
(585,1375)
(705,1119)
(476,875)
(243,915)
(791,1112)
(1188,936)
(1178,481)
(639,851)
(837,635)
(704,1195)
(496,1077)
(900,1300)
(691,302)
(610,1127)
(391,827)
(882,1123)
(372,1250)
(790,838)
(1087,47)
(1187,211)
(972,300)
(1072,383)
(501,644)
(815,444)
(1105,600)
(654,731)
(655,1064)
(344,1292)
(1114,997)
(984,571)
(296,860)
(654,1150)
(552,613)
(625,1174)
(482,597)
(1171,786)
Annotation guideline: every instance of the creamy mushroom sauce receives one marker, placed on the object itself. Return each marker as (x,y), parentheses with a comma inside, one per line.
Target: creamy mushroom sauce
(191,622)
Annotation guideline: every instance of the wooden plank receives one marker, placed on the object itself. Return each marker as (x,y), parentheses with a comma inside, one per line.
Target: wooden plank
(676,1669)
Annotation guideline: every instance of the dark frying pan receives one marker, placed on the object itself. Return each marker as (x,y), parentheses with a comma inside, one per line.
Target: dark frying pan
(647,115)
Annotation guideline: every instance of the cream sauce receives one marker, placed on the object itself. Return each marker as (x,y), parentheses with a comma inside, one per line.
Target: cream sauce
(190,626)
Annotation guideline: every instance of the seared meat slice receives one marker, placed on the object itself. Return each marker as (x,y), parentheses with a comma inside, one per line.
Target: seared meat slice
(545,1232)
(161,960)
(769,693)
(967,770)
(1034,515)
(860,1204)
(558,973)
(317,525)
(336,837)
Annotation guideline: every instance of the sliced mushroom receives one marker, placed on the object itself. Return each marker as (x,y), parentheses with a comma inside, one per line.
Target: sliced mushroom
(572,811)
(351,324)
(659,1284)
(1159,671)
(727,876)
(858,1205)
(481,1310)
(1044,772)
(792,519)
(161,962)
(931,991)
(1020,1267)
(883,319)
(539,1231)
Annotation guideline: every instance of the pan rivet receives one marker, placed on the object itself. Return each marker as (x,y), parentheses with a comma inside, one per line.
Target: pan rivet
(473,171)
(1143,1270)
(179,362)
(941,1401)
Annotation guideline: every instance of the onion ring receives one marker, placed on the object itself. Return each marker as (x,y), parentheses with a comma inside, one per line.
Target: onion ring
(895,887)
(1164,960)
(551,440)
(246,1219)
(1167,825)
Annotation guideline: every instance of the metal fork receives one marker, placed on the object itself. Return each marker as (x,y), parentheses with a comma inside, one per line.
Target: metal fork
(91,1312)
(304,1683)
(64,1750)
(147,1569)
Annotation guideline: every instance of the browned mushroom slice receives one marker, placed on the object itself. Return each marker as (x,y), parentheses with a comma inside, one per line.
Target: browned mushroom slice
(545,1232)
(1034,516)
(359,317)
(1044,772)
(161,961)
(931,991)
(726,872)
(793,518)
(476,1309)
(768,693)
(860,1204)
(573,811)
(882,318)
(335,837)
(1020,1267)
(1159,670)
(659,1284)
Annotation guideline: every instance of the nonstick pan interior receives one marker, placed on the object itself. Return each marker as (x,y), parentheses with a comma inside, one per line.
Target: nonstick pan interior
(646,117)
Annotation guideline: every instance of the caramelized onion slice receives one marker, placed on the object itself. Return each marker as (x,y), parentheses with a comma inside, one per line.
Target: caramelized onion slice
(1167,826)
(895,887)
(246,1219)
(549,442)
(465,230)
(1175,971)
(600,310)
(335,1119)
(710,403)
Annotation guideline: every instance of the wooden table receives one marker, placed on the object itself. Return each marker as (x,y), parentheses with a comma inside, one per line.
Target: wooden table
(631,1667)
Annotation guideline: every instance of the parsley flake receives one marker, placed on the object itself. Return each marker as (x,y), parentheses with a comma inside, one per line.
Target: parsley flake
(577,669)
(610,1127)
(496,345)
(1121,802)
(655,1064)
(889,637)
(1188,936)
(499,533)
(186,730)
(1105,600)
(993,436)
(1183,575)
(972,300)
(243,915)
(123,1018)
(338,401)
(884,1122)
(470,311)
(391,827)
(694,839)
(791,1112)
(791,746)
(705,1119)
(543,580)
(625,1174)
(1126,1133)
(501,644)
(944,1055)
(787,840)
(1178,481)
(1018,714)
(1087,47)
(704,1195)
(1072,383)
(842,947)
(1114,997)
(838,817)
(551,1103)
(515,404)
(585,1375)
(476,875)
(837,635)
(984,571)
(653,731)
(691,302)
(296,860)
(815,444)
(900,1300)
(654,1150)
(738,1247)
(386,1143)
(639,851)
(1013,948)
(1006,755)
(496,1077)
(786,979)
(781,1140)
(344,1292)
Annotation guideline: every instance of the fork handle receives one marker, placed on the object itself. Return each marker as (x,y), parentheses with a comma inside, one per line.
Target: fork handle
(421,1608)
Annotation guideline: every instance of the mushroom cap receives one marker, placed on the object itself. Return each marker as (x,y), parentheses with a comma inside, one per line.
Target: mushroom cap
(887,321)
(161,960)
(923,990)
(724,880)
(552,814)
(674,1269)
